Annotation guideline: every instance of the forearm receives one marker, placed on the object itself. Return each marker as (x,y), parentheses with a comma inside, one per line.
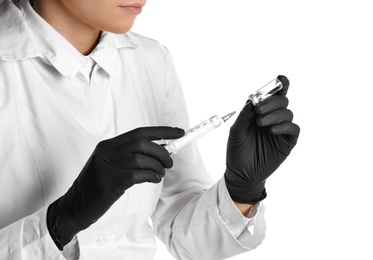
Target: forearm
(212,220)
(28,238)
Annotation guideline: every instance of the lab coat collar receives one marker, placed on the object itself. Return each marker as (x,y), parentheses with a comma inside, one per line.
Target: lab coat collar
(24,34)
(16,42)
(106,52)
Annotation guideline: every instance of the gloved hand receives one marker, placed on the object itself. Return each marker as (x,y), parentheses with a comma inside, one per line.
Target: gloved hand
(259,141)
(115,165)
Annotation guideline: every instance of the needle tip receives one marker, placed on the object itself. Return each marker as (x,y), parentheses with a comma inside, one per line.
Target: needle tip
(226,117)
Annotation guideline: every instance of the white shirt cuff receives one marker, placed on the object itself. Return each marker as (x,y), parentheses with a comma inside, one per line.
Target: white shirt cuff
(237,223)
(37,242)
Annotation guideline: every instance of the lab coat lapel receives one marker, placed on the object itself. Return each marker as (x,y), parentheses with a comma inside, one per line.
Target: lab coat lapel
(143,86)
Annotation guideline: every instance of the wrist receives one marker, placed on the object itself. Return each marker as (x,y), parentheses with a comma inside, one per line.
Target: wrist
(54,224)
(247,210)
(61,226)
(244,192)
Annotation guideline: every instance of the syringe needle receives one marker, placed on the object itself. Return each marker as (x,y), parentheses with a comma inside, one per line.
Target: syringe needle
(226,117)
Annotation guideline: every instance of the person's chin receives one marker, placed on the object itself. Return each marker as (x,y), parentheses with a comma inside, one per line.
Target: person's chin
(120,29)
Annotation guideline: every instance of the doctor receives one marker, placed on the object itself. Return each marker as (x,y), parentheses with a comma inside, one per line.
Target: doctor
(81,99)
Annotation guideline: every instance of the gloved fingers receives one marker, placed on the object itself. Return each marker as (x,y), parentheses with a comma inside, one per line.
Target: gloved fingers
(140,176)
(148,148)
(285,85)
(289,129)
(127,178)
(273,103)
(150,133)
(135,162)
(275,117)
(143,162)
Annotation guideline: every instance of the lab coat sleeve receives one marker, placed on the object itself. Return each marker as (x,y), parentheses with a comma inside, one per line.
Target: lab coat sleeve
(28,238)
(194,217)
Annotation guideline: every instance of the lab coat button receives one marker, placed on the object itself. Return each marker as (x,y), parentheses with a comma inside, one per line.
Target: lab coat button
(101,240)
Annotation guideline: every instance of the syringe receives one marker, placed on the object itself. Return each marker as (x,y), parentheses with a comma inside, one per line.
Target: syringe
(194,133)
(213,122)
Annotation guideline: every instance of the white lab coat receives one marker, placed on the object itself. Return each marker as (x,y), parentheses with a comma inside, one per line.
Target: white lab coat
(56,105)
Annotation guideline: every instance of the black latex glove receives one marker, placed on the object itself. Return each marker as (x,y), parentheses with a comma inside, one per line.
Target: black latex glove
(114,166)
(259,141)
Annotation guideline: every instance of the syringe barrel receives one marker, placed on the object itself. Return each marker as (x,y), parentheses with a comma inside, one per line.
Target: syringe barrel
(266,91)
(194,133)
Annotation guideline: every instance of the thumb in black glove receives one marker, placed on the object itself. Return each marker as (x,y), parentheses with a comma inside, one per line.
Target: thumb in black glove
(114,166)
(259,141)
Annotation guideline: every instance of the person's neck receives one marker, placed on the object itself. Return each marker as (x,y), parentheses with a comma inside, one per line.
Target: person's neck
(82,36)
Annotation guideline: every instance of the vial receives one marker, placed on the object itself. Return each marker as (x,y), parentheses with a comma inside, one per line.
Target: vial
(266,91)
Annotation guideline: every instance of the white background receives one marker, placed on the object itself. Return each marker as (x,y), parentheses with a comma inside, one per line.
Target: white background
(319,203)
